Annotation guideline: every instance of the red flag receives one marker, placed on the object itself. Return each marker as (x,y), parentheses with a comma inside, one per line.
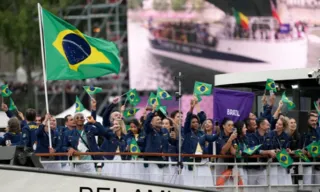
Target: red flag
(274,12)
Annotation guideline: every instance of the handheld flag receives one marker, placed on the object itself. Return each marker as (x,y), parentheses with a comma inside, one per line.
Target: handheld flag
(198,97)
(241,19)
(202,88)
(127,127)
(270,85)
(79,106)
(91,90)
(134,148)
(130,112)
(251,150)
(5,91)
(288,102)
(284,158)
(153,99)
(316,106)
(72,55)
(133,97)
(302,156)
(12,105)
(163,109)
(162,94)
(313,149)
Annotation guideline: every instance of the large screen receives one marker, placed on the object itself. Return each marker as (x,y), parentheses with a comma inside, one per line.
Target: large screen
(201,40)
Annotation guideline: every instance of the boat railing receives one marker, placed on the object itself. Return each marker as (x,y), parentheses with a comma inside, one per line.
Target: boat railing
(215,162)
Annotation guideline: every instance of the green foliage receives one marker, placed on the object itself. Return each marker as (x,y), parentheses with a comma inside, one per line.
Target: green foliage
(134,4)
(19,27)
(198,5)
(178,5)
(160,5)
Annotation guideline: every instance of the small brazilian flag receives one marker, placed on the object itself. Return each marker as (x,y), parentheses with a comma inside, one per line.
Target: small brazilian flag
(317,107)
(127,127)
(153,99)
(134,148)
(162,94)
(313,149)
(302,156)
(5,91)
(251,150)
(163,109)
(71,54)
(202,88)
(133,97)
(198,97)
(288,102)
(91,90)
(271,85)
(79,106)
(284,158)
(130,112)
(12,105)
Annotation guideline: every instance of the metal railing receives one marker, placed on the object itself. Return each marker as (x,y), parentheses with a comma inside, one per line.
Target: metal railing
(231,184)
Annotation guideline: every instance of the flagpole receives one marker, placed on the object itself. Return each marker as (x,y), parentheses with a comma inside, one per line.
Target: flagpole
(43,69)
(180,122)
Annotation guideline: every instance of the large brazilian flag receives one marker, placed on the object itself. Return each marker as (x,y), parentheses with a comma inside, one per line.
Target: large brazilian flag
(69,54)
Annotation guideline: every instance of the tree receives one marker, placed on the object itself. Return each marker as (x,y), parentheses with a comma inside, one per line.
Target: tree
(198,5)
(178,5)
(19,32)
(160,5)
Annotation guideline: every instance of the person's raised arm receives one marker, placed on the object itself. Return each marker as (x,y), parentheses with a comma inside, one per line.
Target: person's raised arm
(227,146)
(187,123)
(107,112)
(94,108)
(5,108)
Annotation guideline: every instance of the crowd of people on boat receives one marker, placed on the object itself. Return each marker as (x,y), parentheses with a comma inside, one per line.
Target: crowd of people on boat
(184,32)
(158,133)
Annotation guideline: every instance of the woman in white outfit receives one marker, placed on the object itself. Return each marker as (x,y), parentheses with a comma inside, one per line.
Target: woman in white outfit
(115,141)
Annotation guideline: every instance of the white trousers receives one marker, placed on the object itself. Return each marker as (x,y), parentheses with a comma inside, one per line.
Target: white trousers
(52,166)
(84,168)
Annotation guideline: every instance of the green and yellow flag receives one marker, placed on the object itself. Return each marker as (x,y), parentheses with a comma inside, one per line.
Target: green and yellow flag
(12,106)
(314,149)
(5,91)
(133,97)
(302,156)
(163,109)
(251,150)
(71,54)
(127,127)
(288,102)
(202,88)
(284,158)
(130,112)
(153,99)
(134,148)
(162,94)
(79,106)
(271,85)
(198,97)
(91,90)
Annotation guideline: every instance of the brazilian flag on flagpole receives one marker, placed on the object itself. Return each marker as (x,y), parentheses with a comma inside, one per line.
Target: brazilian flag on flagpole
(134,148)
(271,85)
(163,109)
(162,94)
(5,91)
(12,106)
(153,99)
(314,149)
(288,102)
(130,112)
(79,106)
(70,54)
(302,156)
(202,88)
(284,158)
(133,97)
(251,150)
(91,90)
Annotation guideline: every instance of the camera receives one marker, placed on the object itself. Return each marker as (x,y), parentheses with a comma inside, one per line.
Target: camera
(311,74)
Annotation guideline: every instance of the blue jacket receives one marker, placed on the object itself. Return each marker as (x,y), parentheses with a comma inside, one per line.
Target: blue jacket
(140,141)
(192,138)
(29,134)
(112,142)
(309,137)
(43,140)
(71,138)
(106,115)
(156,140)
(14,138)
(279,141)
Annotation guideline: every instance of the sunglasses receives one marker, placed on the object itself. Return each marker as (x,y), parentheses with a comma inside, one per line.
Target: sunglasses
(80,118)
